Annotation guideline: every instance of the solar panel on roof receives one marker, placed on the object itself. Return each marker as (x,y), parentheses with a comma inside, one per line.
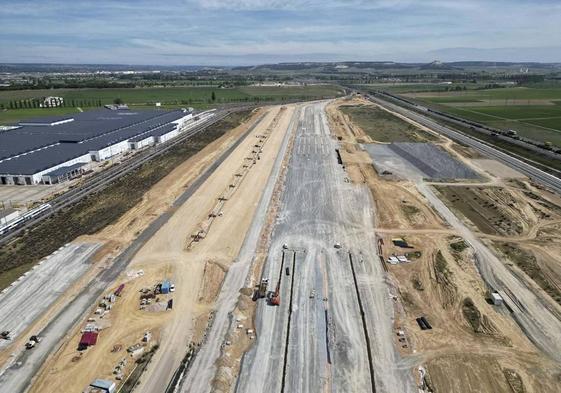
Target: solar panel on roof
(34,149)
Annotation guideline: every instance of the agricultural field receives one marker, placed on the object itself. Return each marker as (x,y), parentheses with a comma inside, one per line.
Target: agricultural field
(169,97)
(382,126)
(309,91)
(535,113)
(417,87)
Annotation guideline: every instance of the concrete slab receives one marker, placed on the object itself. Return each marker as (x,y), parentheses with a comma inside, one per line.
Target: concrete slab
(23,195)
(387,161)
(29,297)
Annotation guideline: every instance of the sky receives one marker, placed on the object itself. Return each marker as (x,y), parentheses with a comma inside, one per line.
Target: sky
(247,32)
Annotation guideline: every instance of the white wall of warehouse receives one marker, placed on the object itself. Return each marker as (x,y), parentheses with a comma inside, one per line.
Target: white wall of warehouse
(183,120)
(142,143)
(38,177)
(166,137)
(110,151)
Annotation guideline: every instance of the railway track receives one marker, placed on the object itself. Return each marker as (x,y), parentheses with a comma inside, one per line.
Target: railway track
(364,326)
(286,346)
(510,159)
(106,177)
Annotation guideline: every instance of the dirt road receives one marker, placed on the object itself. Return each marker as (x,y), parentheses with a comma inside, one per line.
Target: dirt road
(532,314)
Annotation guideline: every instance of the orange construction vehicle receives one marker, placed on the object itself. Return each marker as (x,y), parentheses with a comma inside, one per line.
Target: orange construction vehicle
(274,300)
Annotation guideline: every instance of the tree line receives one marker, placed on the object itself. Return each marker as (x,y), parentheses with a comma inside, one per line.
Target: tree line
(31,103)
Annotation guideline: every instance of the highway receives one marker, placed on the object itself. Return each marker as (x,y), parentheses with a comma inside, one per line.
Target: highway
(104,178)
(545,179)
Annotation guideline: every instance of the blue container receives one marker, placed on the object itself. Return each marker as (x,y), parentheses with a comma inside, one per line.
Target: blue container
(165,287)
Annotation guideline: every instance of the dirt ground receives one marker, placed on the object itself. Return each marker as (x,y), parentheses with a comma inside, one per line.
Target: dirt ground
(522,223)
(398,204)
(497,169)
(436,285)
(473,346)
(228,364)
(493,210)
(166,256)
(466,370)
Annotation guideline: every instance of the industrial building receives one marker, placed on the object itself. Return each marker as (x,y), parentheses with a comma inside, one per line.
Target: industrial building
(101,386)
(57,148)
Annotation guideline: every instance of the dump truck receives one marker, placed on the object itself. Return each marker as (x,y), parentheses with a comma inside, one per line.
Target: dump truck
(262,290)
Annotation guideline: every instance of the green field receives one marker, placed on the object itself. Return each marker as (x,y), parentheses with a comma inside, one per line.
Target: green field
(508,94)
(382,126)
(310,91)
(418,87)
(12,116)
(535,113)
(170,97)
(172,94)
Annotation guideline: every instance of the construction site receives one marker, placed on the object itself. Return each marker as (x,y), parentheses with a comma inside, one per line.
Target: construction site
(325,246)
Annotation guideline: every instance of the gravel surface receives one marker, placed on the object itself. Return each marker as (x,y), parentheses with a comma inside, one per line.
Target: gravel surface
(315,340)
(433,161)
(199,377)
(387,161)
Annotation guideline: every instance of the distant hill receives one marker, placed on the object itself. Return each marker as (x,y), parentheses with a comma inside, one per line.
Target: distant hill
(437,65)
(324,67)
(49,68)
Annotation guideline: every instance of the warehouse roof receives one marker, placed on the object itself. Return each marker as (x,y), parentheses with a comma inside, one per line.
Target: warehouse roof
(86,125)
(47,120)
(163,130)
(28,150)
(42,159)
(141,137)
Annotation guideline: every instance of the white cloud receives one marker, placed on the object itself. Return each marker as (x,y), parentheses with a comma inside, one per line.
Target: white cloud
(248,31)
